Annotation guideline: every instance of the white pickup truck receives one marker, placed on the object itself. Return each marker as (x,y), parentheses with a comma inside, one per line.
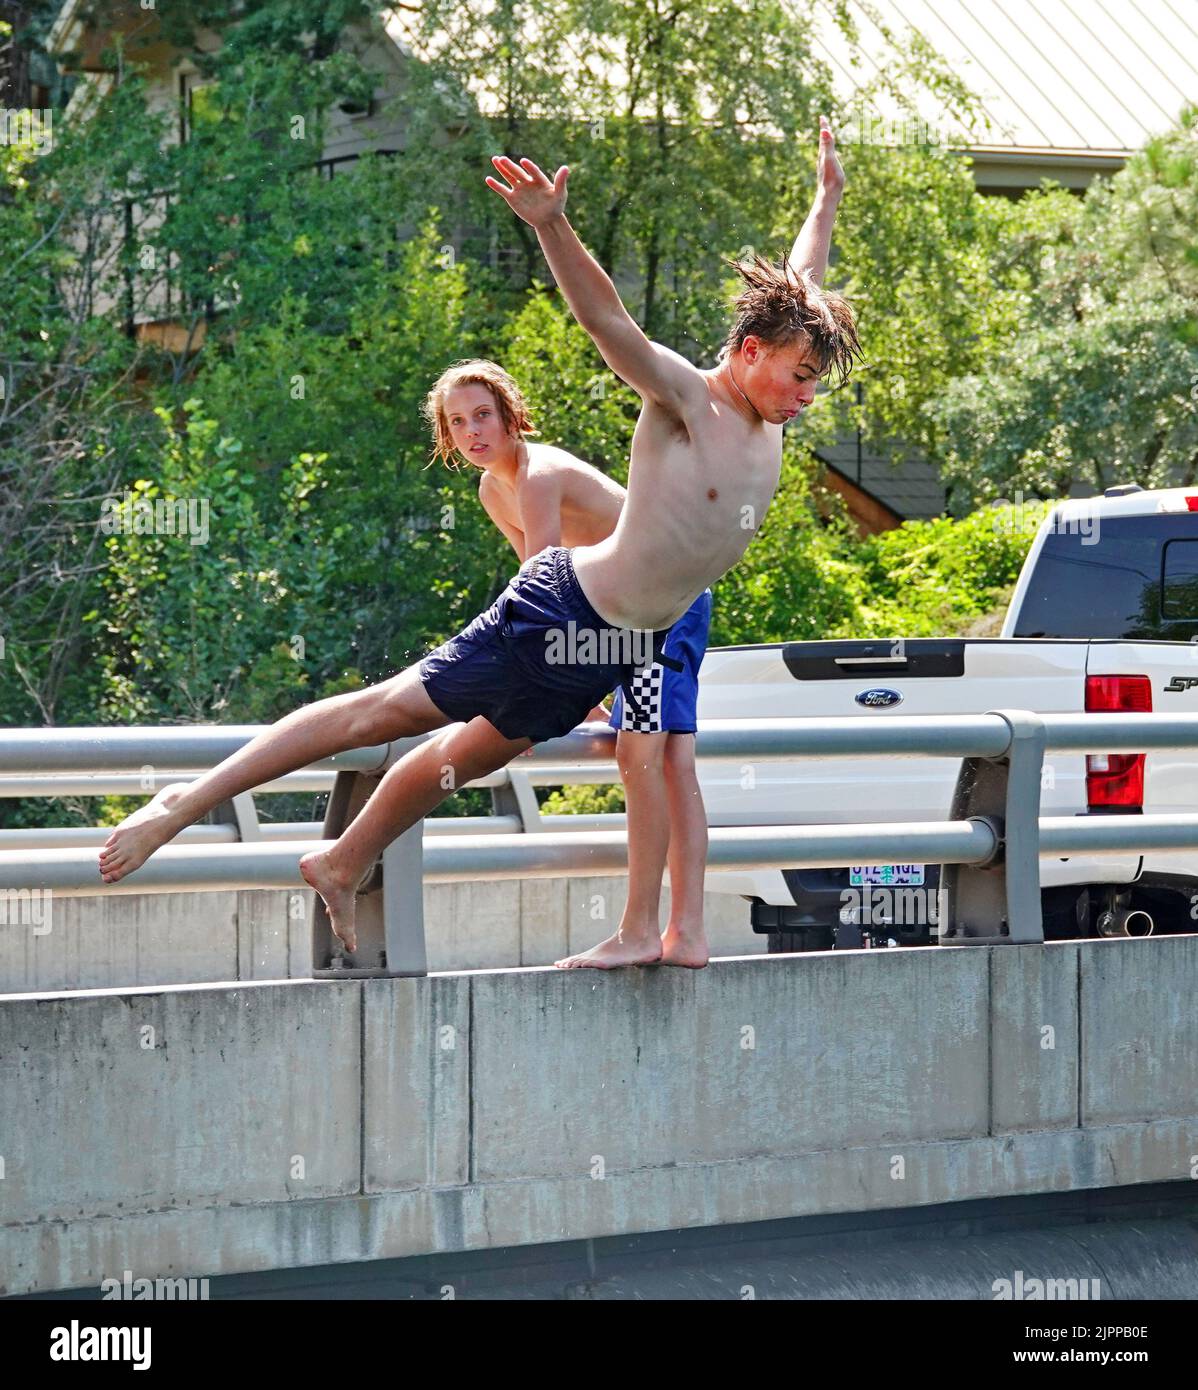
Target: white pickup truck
(1104,617)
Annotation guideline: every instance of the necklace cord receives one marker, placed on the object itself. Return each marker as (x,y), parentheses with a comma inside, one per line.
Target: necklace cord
(743,397)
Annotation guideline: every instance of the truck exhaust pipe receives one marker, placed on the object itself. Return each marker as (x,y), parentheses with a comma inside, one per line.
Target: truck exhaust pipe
(1126,921)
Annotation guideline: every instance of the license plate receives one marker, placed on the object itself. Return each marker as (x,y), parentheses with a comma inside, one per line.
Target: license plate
(897,875)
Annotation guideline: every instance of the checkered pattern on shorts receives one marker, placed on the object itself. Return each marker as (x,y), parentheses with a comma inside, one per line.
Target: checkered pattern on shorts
(646,687)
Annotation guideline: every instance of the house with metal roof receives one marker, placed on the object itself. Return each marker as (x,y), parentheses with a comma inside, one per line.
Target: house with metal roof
(1068,90)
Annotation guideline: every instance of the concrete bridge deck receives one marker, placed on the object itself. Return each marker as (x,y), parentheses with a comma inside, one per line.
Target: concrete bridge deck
(224,1128)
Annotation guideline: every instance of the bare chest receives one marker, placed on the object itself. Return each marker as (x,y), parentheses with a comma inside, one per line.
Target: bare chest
(713,468)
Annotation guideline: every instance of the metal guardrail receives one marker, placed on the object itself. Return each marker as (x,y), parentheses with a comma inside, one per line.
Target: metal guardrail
(229,828)
(990,845)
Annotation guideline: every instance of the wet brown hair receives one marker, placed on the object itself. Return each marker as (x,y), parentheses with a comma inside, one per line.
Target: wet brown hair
(513,409)
(780,305)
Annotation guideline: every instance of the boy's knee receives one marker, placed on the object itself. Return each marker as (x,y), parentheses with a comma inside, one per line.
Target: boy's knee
(375,715)
(367,715)
(471,750)
(680,754)
(386,711)
(638,754)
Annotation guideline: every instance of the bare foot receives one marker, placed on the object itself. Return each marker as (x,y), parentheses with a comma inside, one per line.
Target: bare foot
(338,893)
(685,946)
(620,949)
(139,835)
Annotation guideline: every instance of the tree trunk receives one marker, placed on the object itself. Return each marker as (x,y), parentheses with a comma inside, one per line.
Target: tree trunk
(16,92)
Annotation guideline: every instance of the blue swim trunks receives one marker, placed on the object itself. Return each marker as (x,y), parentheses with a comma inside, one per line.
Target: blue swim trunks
(667,693)
(540,658)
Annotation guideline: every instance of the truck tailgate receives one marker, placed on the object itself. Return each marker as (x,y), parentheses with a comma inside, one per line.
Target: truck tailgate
(928,675)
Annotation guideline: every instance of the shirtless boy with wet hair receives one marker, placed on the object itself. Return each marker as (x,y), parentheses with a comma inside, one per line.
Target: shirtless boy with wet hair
(705,462)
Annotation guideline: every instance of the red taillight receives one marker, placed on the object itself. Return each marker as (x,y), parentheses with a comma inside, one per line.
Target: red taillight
(1117,779)
(1191,502)
(1106,693)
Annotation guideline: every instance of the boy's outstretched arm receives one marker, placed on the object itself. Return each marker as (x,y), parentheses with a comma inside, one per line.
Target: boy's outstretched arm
(486,495)
(653,371)
(810,251)
(540,504)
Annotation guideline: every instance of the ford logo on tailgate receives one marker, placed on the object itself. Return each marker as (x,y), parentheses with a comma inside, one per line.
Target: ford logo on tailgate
(879,698)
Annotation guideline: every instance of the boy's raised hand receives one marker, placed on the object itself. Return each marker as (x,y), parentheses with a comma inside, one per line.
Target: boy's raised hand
(531,195)
(829,174)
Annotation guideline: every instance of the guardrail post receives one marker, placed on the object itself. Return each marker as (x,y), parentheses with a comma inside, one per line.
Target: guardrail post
(516,797)
(999,901)
(390,906)
(239,811)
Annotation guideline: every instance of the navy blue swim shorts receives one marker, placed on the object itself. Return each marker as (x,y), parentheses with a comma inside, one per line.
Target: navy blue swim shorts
(540,658)
(668,696)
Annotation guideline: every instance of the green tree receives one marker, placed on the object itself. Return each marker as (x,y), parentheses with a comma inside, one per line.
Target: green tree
(576,402)
(415,557)
(69,417)
(922,259)
(203,601)
(1097,381)
(935,578)
(689,126)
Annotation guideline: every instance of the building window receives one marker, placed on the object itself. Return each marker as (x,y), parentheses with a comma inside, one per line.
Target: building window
(197,103)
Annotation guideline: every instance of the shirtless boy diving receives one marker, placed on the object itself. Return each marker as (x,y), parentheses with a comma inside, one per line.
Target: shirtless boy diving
(705,462)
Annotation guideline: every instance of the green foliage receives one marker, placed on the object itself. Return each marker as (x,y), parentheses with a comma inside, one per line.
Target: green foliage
(580,800)
(205,605)
(919,255)
(68,412)
(286,383)
(309,29)
(574,399)
(413,555)
(685,137)
(1098,381)
(806,578)
(934,578)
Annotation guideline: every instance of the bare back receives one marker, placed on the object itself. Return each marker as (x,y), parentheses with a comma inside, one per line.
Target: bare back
(698,491)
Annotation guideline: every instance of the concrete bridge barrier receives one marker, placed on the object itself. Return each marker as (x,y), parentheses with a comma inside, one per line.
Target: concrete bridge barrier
(266,934)
(208,1129)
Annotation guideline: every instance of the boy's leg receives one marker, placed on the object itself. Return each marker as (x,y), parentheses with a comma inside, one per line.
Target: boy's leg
(395,708)
(685,941)
(637,940)
(411,788)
